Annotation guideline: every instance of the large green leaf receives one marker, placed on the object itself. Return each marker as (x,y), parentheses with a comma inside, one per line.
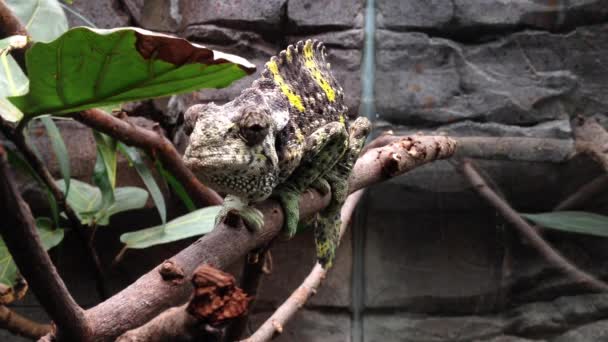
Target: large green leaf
(43,19)
(88,68)
(86,200)
(196,223)
(580,222)
(61,152)
(146,176)
(49,237)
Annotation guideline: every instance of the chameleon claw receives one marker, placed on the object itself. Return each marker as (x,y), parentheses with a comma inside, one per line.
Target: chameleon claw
(290,200)
(322,186)
(234,206)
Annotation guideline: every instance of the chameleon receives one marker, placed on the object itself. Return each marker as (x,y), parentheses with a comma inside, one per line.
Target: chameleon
(286,133)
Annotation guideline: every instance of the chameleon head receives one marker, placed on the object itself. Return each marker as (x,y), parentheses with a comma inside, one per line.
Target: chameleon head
(232,148)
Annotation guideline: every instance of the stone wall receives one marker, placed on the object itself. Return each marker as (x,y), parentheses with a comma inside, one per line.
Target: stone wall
(427,259)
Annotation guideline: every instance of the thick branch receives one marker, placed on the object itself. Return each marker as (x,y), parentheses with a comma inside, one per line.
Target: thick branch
(156,144)
(19,233)
(502,148)
(309,286)
(550,254)
(150,295)
(216,300)
(19,325)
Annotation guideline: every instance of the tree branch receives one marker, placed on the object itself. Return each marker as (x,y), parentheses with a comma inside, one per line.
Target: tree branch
(21,326)
(254,269)
(584,193)
(216,299)
(275,323)
(19,139)
(156,144)
(550,254)
(20,235)
(151,294)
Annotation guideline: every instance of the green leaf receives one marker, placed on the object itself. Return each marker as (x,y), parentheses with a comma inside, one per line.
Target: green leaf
(146,176)
(126,198)
(88,68)
(44,20)
(579,222)
(196,223)
(61,152)
(49,237)
(177,187)
(104,172)
(86,201)
(13,81)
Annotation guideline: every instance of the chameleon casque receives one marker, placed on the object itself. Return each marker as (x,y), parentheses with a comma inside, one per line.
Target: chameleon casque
(286,133)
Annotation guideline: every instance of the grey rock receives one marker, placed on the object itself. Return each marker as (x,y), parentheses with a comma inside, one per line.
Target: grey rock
(481,17)
(296,258)
(161,15)
(311,15)
(134,8)
(410,328)
(258,16)
(103,13)
(419,274)
(311,326)
(593,332)
(507,338)
(422,79)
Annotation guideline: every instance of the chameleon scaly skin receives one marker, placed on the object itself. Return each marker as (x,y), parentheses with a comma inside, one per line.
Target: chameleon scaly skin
(284,134)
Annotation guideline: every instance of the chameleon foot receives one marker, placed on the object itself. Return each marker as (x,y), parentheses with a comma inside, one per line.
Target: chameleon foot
(321,185)
(290,201)
(327,232)
(252,217)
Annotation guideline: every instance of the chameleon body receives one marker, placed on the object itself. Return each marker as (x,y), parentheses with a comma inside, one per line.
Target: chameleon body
(286,133)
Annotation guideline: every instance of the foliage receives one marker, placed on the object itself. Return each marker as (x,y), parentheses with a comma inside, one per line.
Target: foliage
(199,222)
(86,200)
(86,68)
(579,222)
(49,237)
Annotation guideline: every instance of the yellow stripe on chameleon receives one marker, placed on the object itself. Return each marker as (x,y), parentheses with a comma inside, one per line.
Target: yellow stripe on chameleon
(342,120)
(293,98)
(310,64)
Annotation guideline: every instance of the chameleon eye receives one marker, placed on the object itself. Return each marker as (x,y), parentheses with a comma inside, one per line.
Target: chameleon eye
(254,128)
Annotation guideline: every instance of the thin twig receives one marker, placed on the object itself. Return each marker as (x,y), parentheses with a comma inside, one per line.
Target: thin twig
(156,144)
(150,295)
(20,235)
(548,252)
(19,139)
(309,286)
(21,326)
(251,278)
(584,194)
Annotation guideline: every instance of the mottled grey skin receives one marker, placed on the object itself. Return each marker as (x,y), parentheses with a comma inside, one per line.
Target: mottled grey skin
(284,134)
